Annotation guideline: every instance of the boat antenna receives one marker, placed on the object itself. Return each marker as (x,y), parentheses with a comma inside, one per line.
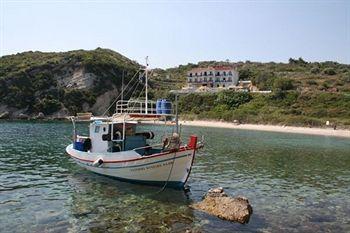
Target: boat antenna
(122,97)
(146,83)
(176,114)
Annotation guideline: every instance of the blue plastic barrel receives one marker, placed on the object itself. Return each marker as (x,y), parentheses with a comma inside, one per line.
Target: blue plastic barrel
(78,146)
(166,107)
(159,106)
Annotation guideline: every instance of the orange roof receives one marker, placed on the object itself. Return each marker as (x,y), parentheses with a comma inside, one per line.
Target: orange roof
(222,67)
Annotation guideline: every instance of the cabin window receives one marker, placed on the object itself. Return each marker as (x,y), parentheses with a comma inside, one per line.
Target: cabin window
(97,129)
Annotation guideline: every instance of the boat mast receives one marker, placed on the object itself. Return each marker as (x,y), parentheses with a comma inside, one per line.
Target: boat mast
(122,97)
(146,101)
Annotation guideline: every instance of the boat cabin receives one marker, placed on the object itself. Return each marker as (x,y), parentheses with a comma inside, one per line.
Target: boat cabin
(107,136)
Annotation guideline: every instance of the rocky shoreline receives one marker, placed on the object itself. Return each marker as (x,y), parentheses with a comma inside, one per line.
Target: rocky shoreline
(40,116)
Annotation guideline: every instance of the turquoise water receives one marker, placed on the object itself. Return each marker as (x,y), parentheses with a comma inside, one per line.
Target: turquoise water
(295,183)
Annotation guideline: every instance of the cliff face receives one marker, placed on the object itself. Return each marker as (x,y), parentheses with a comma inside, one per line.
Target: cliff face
(59,84)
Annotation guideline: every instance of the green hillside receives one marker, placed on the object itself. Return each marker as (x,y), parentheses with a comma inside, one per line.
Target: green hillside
(37,82)
(303,93)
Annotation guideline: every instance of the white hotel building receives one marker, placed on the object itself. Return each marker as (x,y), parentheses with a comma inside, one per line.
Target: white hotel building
(212,77)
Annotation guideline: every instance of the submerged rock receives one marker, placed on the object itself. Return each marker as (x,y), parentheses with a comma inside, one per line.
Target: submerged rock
(216,202)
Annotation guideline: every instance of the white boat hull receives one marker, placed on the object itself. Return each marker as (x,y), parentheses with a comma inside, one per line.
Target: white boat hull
(167,168)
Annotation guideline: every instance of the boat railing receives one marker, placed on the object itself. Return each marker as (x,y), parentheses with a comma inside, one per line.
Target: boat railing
(141,107)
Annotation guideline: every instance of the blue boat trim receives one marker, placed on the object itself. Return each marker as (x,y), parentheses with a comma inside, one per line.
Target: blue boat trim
(132,166)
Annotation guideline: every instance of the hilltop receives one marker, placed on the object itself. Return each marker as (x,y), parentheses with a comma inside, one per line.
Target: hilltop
(64,83)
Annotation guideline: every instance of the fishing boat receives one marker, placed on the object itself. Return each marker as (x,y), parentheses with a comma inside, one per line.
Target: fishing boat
(118,146)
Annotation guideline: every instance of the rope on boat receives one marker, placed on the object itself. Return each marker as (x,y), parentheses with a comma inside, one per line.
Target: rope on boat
(123,89)
(171,170)
(133,87)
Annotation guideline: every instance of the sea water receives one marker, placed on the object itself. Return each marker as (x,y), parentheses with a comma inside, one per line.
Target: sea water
(295,183)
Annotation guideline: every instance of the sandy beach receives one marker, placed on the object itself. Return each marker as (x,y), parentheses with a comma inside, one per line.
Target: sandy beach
(272,128)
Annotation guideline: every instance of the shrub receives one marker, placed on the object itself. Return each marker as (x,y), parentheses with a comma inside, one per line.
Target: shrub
(311,82)
(233,99)
(264,80)
(48,106)
(315,70)
(283,84)
(329,71)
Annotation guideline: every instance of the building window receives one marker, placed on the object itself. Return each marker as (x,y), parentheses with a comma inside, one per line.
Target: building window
(205,73)
(224,73)
(195,80)
(229,73)
(217,73)
(195,74)
(224,79)
(223,85)
(189,80)
(210,73)
(190,74)
(210,79)
(217,85)
(205,79)
(230,79)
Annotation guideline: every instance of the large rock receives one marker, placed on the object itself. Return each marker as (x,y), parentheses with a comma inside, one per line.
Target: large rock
(4,115)
(216,202)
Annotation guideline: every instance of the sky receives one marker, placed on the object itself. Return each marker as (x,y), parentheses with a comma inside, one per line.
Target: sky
(180,32)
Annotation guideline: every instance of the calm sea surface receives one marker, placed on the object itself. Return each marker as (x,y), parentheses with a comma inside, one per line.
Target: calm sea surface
(295,183)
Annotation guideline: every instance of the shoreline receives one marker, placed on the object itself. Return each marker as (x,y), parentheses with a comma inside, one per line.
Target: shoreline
(343,133)
(270,128)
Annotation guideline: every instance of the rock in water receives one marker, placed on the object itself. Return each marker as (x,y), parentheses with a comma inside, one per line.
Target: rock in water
(216,202)
(4,115)
(40,115)
(23,116)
